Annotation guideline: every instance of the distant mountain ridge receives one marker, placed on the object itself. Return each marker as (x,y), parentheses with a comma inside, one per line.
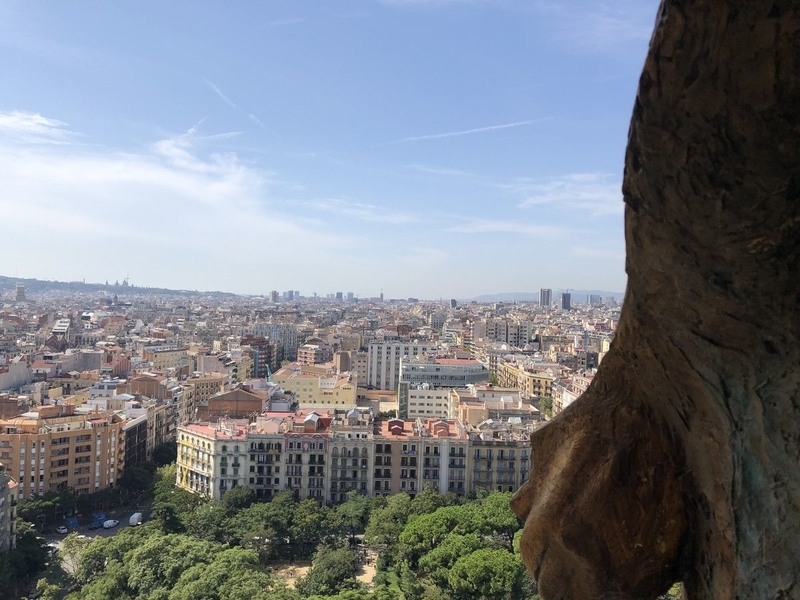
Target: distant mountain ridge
(38,285)
(577,296)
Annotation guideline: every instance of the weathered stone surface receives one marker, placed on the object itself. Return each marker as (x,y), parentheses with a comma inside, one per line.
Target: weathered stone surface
(682,460)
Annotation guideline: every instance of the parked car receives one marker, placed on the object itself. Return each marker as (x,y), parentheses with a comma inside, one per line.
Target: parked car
(62,529)
(110,523)
(136,519)
(95,525)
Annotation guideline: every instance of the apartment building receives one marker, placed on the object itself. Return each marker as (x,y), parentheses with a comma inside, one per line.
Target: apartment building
(500,465)
(235,366)
(509,331)
(423,401)
(325,454)
(353,362)
(307,445)
(313,352)
(531,380)
(318,386)
(205,385)
(283,334)
(266,469)
(8,512)
(165,357)
(265,354)
(212,458)
(54,448)
(383,361)
(352,454)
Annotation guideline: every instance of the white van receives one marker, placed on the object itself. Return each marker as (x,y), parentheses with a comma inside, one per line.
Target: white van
(136,519)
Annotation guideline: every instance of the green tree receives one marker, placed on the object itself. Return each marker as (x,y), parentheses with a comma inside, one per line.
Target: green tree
(546,405)
(485,573)
(233,574)
(438,562)
(155,566)
(166,515)
(497,516)
(332,571)
(165,454)
(428,500)
(47,509)
(95,557)
(386,522)
(72,550)
(353,514)
(173,507)
(47,591)
(238,498)
(112,583)
(425,532)
(208,522)
(136,480)
(311,524)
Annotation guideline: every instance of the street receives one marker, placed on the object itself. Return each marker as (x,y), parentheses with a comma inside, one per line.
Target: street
(123,516)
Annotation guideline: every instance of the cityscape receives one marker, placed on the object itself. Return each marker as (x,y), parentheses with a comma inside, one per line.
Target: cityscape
(316,396)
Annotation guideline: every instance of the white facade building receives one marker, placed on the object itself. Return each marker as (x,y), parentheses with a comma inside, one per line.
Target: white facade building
(383,366)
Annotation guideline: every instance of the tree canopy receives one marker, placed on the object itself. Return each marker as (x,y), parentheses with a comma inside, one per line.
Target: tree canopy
(431,546)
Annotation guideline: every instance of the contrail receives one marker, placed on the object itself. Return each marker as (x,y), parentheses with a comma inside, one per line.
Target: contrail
(436,136)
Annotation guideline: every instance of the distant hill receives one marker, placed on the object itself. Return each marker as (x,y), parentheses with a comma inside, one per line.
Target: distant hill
(37,285)
(577,296)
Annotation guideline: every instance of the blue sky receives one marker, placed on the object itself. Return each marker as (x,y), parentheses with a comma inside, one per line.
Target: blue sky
(424,147)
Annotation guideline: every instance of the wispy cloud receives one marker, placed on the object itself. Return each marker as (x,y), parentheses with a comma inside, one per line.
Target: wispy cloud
(500,226)
(441,171)
(219,92)
(287,21)
(449,134)
(596,193)
(362,212)
(175,196)
(596,27)
(28,127)
(255,119)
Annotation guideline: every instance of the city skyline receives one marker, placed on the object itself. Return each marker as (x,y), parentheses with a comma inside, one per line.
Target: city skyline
(298,146)
(17,285)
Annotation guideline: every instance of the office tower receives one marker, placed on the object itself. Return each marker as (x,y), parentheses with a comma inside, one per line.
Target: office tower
(545,297)
(566,301)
